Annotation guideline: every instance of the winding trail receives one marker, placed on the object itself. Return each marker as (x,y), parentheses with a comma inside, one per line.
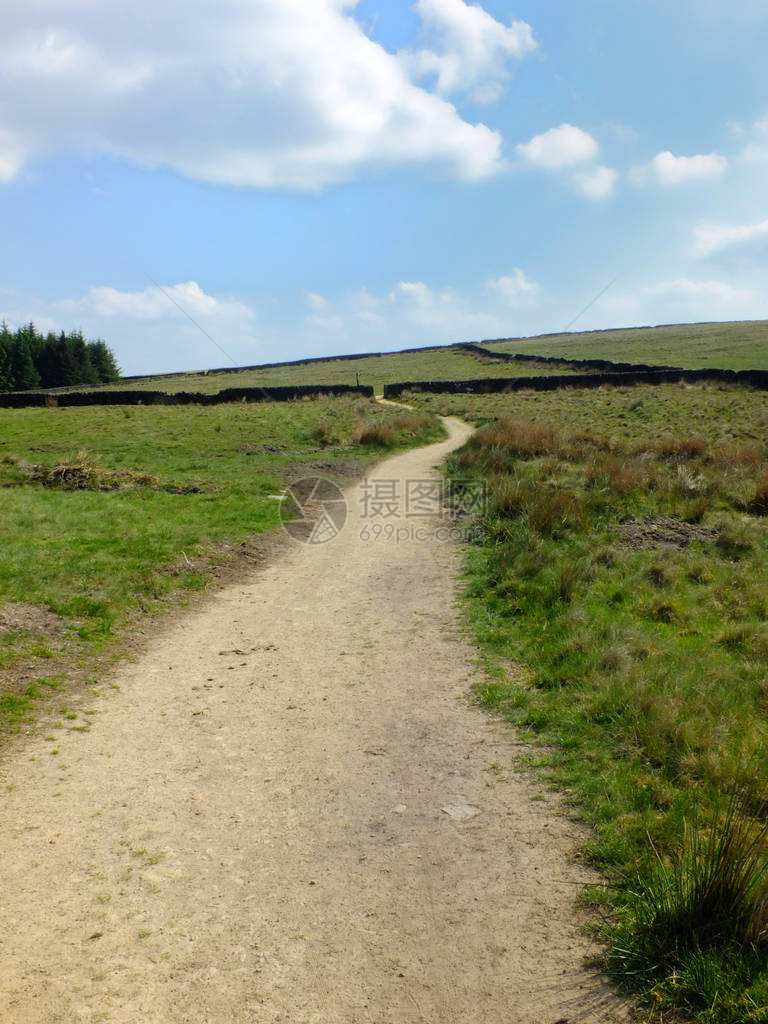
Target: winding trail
(288,812)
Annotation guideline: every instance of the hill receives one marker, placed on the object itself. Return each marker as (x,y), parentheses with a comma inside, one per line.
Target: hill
(741,345)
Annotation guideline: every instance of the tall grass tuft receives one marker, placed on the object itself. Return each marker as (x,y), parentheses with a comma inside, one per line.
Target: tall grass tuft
(706,906)
(759,503)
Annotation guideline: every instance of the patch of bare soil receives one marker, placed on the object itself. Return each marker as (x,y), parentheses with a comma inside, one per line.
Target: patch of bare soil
(288,811)
(35,643)
(661,530)
(22,616)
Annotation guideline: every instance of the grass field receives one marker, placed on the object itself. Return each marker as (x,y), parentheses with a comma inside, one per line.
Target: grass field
(729,346)
(624,570)
(719,412)
(107,512)
(431,364)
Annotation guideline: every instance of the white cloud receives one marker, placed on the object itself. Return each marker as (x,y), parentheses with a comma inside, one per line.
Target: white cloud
(598,183)
(152,303)
(754,152)
(513,287)
(17,317)
(418,293)
(12,155)
(444,315)
(681,300)
(559,147)
(316,302)
(272,94)
(684,288)
(411,313)
(472,48)
(709,238)
(668,169)
(755,149)
(64,56)
(328,323)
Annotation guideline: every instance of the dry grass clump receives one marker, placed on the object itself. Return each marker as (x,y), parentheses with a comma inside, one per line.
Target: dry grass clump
(620,476)
(747,455)
(510,439)
(85,473)
(679,448)
(394,430)
(519,437)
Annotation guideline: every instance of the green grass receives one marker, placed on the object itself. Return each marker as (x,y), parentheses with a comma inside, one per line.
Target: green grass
(445,363)
(644,656)
(729,346)
(107,512)
(719,412)
(736,346)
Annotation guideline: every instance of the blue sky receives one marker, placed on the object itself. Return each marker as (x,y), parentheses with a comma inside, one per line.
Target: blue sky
(320,176)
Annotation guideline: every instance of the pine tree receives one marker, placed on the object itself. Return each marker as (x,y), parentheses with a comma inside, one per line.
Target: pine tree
(63,365)
(28,360)
(25,376)
(6,377)
(84,370)
(103,361)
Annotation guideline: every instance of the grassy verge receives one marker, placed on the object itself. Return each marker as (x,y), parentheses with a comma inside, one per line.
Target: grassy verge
(107,513)
(624,570)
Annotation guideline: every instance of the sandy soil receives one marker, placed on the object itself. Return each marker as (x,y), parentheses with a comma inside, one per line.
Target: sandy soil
(288,811)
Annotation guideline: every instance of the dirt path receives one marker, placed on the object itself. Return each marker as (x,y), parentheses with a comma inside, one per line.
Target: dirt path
(287,812)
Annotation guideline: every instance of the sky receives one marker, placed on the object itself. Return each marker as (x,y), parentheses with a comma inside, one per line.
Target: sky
(246,181)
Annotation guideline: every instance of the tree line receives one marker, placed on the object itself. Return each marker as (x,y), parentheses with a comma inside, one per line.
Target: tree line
(29,359)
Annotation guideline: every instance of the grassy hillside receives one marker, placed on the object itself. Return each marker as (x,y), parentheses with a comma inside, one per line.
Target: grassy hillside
(735,346)
(431,364)
(729,346)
